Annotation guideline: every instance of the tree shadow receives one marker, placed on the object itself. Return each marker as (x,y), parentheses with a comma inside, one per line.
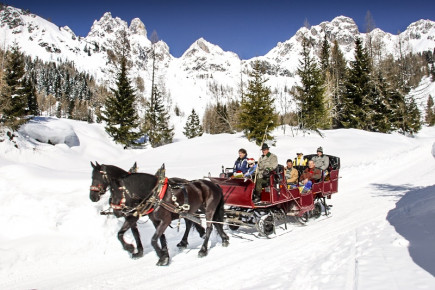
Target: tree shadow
(413,218)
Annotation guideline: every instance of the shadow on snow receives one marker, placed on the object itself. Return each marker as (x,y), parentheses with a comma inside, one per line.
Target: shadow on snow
(413,218)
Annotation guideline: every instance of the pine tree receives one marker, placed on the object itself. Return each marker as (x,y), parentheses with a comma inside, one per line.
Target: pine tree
(157,121)
(120,112)
(338,74)
(411,120)
(193,127)
(29,91)
(381,116)
(358,95)
(310,94)
(257,116)
(13,100)
(430,112)
(324,55)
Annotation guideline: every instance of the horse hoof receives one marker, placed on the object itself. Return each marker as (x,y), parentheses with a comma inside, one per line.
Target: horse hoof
(164,261)
(225,243)
(137,255)
(202,253)
(129,248)
(182,245)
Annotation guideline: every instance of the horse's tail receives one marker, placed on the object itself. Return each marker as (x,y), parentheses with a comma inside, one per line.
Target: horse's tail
(220,210)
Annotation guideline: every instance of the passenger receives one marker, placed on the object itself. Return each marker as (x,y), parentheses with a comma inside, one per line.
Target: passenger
(252,166)
(291,174)
(300,160)
(321,161)
(311,173)
(267,162)
(241,164)
(300,163)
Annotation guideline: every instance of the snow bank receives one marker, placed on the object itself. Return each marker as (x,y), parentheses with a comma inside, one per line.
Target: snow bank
(433,149)
(50,130)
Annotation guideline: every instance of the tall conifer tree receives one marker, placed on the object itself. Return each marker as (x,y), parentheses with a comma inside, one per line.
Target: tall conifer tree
(257,115)
(357,99)
(310,94)
(430,112)
(13,100)
(120,112)
(157,125)
(338,75)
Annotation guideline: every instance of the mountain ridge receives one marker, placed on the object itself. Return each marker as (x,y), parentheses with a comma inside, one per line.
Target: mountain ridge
(189,77)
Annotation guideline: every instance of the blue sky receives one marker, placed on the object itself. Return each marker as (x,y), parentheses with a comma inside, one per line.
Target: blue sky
(248,28)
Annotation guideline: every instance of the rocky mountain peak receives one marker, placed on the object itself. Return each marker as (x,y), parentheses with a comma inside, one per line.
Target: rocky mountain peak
(138,27)
(107,25)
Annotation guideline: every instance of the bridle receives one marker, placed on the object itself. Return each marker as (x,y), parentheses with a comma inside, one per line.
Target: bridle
(100,187)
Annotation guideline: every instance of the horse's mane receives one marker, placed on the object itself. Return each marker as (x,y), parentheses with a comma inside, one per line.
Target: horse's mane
(114,171)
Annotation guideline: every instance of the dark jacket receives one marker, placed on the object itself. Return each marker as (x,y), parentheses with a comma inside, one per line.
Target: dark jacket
(241,165)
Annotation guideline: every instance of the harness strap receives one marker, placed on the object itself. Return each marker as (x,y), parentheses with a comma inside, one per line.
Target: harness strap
(155,198)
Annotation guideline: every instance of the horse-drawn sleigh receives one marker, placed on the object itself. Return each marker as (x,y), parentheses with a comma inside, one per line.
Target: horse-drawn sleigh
(221,200)
(277,200)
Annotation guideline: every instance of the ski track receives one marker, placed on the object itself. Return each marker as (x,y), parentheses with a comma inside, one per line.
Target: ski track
(355,248)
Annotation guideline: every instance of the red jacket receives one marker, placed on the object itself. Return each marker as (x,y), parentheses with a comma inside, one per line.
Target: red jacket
(312,174)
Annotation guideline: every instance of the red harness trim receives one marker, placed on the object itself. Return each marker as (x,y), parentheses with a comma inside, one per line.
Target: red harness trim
(120,205)
(161,195)
(97,188)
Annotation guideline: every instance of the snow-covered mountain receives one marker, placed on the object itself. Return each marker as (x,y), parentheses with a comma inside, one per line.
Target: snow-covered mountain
(203,65)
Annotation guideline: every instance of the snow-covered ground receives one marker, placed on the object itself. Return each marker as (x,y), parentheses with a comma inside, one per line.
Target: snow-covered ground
(380,236)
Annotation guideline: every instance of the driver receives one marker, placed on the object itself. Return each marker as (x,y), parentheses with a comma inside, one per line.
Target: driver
(267,162)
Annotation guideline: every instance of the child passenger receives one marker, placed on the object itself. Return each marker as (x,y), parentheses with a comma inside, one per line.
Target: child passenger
(251,171)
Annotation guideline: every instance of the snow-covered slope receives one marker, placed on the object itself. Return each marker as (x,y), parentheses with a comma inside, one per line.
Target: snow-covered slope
(189,78)
(378,237)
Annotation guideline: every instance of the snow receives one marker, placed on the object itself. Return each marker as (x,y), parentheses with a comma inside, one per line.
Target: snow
(50,130)
(380,234)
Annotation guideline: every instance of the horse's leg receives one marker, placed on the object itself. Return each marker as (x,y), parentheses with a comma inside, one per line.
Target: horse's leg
(139,246)
(200,229)
(183,243)
(162,253)
(209,217)
(129,222)
(219,218)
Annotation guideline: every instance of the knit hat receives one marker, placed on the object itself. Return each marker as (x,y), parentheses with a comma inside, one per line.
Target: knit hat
(251,160)
(320,149)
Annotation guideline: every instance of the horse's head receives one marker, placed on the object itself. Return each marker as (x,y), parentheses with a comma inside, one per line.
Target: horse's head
(100,181)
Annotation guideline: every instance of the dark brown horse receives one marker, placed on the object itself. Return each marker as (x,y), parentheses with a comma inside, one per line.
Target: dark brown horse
(103,177)
(183,199)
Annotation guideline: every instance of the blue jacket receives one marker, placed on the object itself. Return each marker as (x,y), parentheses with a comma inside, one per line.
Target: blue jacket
(241,165)
(251,171)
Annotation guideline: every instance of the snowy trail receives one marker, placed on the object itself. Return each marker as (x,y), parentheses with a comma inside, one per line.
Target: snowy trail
(60,241)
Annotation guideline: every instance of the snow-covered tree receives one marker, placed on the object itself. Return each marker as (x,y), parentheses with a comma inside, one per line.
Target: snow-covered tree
(13,101)
(430,112)
(157,119)
(193,127)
